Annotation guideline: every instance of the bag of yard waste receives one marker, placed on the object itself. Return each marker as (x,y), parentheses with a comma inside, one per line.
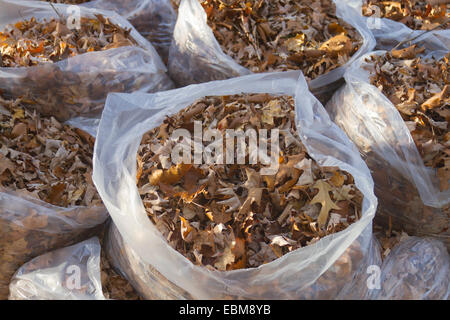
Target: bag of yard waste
(154,19)
(64,63)
(214,40)
(78,272)
(394,22)
(47,198)
(345,279)
(415,269)
(395,108)
(267,229)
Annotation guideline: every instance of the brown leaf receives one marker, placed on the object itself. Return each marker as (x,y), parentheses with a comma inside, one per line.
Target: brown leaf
(407,53)
(56,193)
(323,198)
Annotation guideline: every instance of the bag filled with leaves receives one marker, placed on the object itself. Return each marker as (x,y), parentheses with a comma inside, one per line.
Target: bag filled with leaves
(216,40)
(415,269)
(154,19)
(78,272)
(47,197)
(402,21)
(233,230)
(395,107)
(345,279)
(65,66)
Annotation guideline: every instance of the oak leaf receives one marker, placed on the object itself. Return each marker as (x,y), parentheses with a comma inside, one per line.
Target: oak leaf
(324,199)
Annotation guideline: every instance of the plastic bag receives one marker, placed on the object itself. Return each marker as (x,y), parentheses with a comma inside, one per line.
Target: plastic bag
(79,85)
(115,178)
(71,273)
(78,272)
(388,33)
(30,227)
(416,269)
(408,192)
(345,279)
(154,19)
(196,56)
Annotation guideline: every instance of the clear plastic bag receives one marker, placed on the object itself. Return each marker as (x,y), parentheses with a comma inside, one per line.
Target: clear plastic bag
(408,192)
(131,115)
(196,56)
(71,273)
(154,19)
(415,269)
(345,279)
(30,227)
(388,33)
(78,85)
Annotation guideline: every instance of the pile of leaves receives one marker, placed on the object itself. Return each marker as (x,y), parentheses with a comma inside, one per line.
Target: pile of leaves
(67,90)
(416,14)
(229,216)
(32,42)
(419,89)
(282,35)
(154,20)
(43,159)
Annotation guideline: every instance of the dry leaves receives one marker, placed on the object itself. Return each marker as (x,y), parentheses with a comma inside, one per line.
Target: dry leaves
(44,159)
(416,269)
(388,238)
(230,216)
(154,20)
(67,90)
(419,89)
(115,286)
(282,35)
(31,42)
(416,14)
(144,278)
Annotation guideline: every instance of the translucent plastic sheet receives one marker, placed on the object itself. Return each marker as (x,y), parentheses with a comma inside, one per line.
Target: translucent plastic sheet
(30,227)
(408,192)
(196,56)
(388,33)
(71,273)
(89,125)
(78,85)
(345,279)
(128,116)
(416,269)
